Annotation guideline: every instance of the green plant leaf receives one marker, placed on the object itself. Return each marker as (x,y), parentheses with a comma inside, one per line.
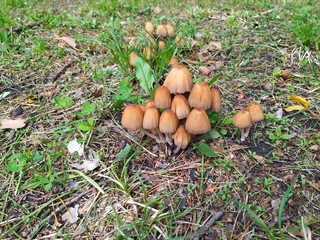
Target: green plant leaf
(87,108)
(90,122)
(206,150)
(214,79)
(13,166)
(124,152)
(144,74)
(83,126)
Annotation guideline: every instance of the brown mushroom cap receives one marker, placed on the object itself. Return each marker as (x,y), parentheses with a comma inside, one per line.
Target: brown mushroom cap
(179,80)
(180,106)
(162,97)
(147,52)
(174,62)
(170,30)
(133,58)
(151,118)
(149,27)
(161,45)
(200,96)
(161,30)
(255,111)
(242,119)
(181,137)
(198,122)
(168,122)
(143,107)
(132,117)
(150,103)
(216,100)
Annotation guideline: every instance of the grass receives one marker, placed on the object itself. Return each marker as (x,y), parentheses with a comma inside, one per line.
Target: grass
(140,190)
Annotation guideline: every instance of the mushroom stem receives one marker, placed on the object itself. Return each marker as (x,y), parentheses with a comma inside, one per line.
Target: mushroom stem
(152,136)
(243,137)
(176,150)
(169,139)
(162,138)
(246,132)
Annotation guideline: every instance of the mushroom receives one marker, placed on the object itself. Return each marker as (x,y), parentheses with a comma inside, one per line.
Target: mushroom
(200,96)
(162,97)
(161,30)
(198,122)
(174,62)
(161,45)
(147,52)
(181,138)
(151,122)
(180,106)
(168,124)
(143,107)
(178,80)
(242,120)
(150,103)
(133,58)
(170,30)
(216,100)
(149,27)
(151,42)
(256,114)
(132,117)
(132,42)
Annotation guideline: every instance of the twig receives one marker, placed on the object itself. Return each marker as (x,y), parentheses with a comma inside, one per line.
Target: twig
(59,209)
(201,231)
(62,70)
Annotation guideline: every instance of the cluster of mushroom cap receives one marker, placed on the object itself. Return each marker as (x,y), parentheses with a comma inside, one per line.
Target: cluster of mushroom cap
(177,111)
(247,116)
(155,39)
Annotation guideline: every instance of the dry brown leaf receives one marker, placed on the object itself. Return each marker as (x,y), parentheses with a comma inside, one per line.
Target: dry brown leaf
(259,158)
(70,41)
(12,124)
(156,10)
(217,45)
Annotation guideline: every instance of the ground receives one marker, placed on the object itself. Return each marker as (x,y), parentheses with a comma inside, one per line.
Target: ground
(64,70)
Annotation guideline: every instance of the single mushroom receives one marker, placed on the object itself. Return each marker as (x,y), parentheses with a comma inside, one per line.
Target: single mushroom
(133,58)
(170,30)
(147,52)
(200,96)
(161,45)
(132,117)
(149,27)
(216,100)
(173,62)
(181,138)
(168,124)
(180,106)
(242,120)
(198,122)
(162,97)
(256,114)
(178,80)
(151,122)
(161,30)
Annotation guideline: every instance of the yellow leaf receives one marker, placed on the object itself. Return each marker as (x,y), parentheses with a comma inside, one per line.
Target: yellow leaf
(301,100)
(294,107)
(32,98)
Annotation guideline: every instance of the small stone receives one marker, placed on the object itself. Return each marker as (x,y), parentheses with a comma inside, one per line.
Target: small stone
(204,70)
(267,86)
(17,112)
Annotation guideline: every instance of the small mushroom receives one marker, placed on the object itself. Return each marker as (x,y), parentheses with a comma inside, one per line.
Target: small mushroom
(149,27)
(242,120)
(132,117)
(198,122)
(173,62)
(180,106)
(256,114)
(161,30)
(181,138)
(178,80)
(168,124)
(162,97)
(216,100)
(200,96)
(161,45)
(170,30)
(147,52)
(133,58)
(151,122)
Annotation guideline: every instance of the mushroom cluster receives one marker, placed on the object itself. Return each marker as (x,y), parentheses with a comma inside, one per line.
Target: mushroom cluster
(155,40)
(178,110)
(244,118)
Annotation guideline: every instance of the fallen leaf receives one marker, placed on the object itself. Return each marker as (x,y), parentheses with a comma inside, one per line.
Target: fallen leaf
(279,113)
(70,41)
(210,189)
(156,10)
(74,146)
(216,44)
(32,98)
(204,70)
(71,215)
(90,164)
(12,124)
(259,158)
(301,100)
(294,108)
